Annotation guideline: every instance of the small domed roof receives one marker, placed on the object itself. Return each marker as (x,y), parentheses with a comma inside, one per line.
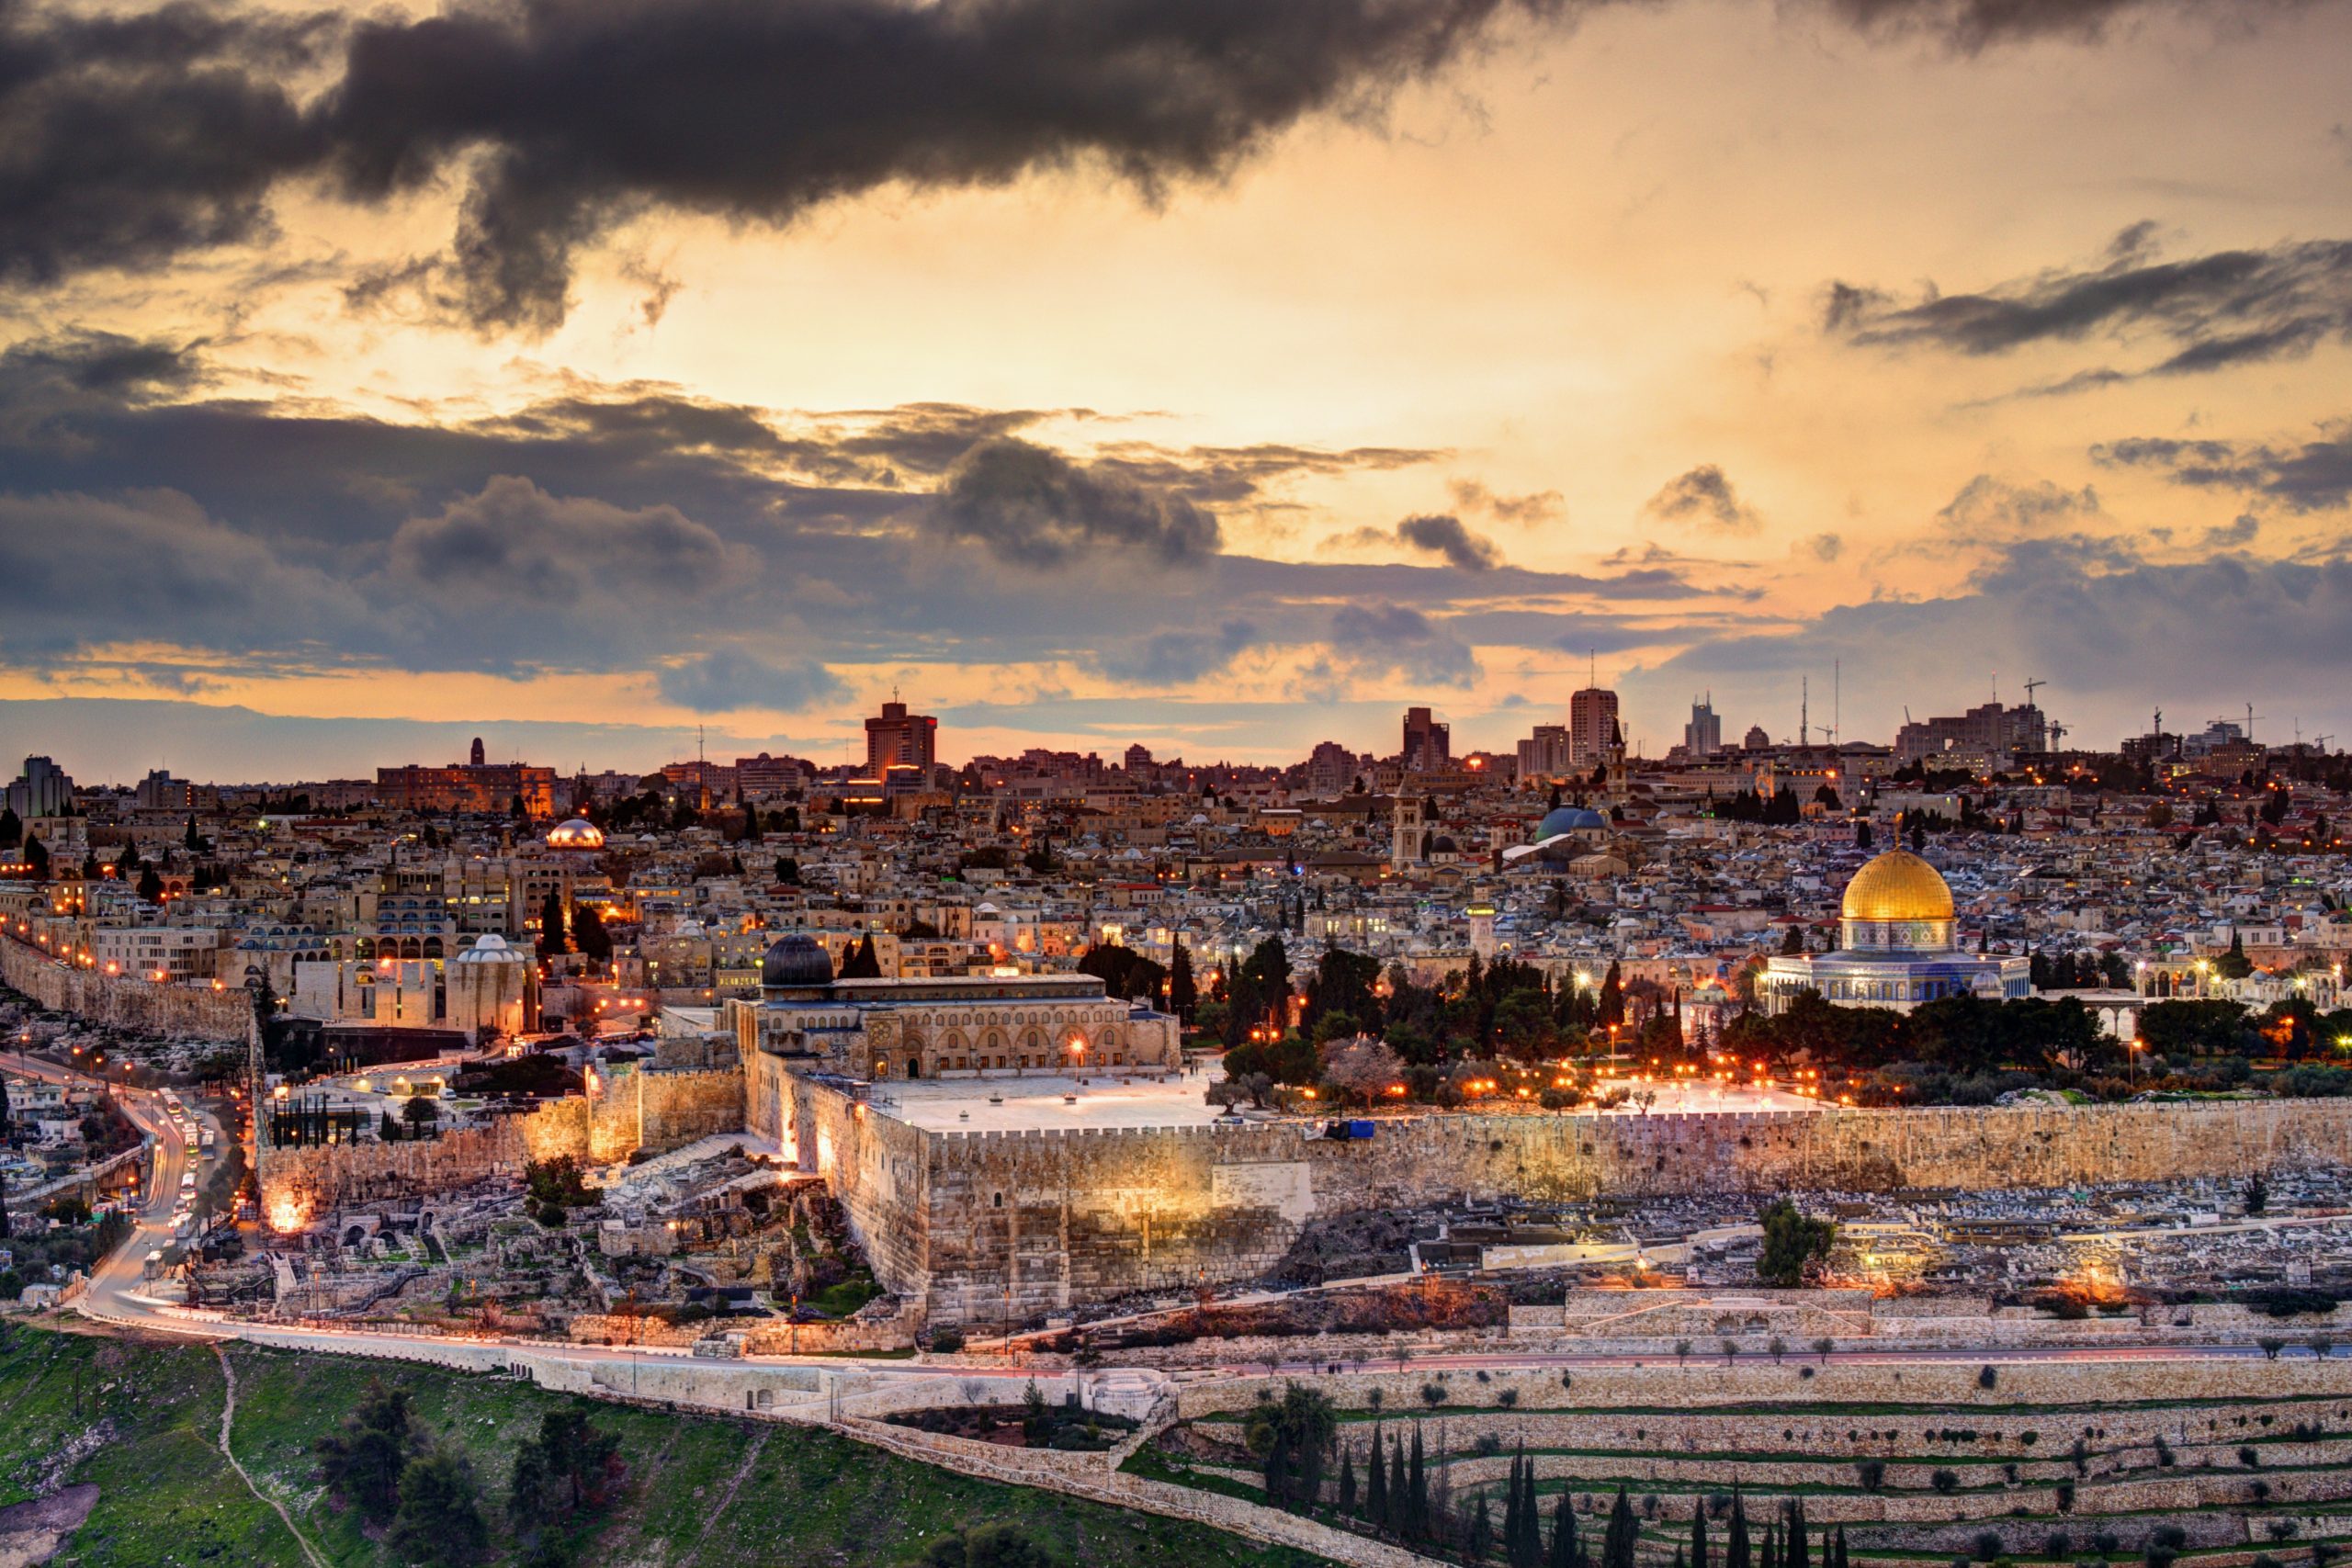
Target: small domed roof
(489,948)
(794,960)
(1898,885)
(576,833)
(1568,819)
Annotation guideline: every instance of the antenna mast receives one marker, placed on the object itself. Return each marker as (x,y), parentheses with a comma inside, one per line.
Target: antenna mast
(1804,710)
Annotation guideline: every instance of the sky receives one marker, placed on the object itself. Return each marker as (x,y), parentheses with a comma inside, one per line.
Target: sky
(1225,376)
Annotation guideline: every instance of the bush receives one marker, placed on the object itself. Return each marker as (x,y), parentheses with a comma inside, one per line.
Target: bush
(1871,1473)
(2172,1538)
(1986,1376)
(946,1341)
(1944,1481)
(2058,1544)
(2105,1542)
(1988,1545)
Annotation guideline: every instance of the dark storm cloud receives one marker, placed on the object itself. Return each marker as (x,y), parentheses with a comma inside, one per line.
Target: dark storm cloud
(1376,640)
(516,543)
(728,680)
(79,569)
(128,140)
(1704,497)
(638,529)
(582,115)
(1179,657)
(2228,307)
(1443,536)
(2310,476)
(1033,506)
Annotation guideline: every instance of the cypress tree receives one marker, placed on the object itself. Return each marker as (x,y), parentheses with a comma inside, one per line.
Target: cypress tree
(1401,1491)
(1699,1535)
(1617,1546)
(1375,1500)
(1796,1555)
(1481,1533)
(1347,1480)
(1736,1544)
(1680,1560)
(1839,1558)
(1770,1557)
(1567,1551)
(1417,1489)
(1510,1514)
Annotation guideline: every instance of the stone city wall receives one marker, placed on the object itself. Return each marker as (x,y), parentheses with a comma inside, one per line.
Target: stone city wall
(653,1111)
(140,1006)
(1031,1221)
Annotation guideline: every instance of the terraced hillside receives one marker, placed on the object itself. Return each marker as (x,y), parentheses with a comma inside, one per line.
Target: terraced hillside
(2252,1459)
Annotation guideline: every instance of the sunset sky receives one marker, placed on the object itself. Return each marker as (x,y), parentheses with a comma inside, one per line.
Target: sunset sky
(1218,373)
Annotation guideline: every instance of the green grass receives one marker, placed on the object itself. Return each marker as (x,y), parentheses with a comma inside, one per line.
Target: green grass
(151,1417)
(700,1489)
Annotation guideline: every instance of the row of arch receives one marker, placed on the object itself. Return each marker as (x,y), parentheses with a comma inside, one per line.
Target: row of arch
(998,1050)
(371,948)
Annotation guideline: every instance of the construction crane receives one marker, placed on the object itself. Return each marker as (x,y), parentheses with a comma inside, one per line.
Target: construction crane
(2031,686)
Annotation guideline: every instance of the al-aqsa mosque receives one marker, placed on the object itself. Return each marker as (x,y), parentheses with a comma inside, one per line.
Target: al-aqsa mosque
(1898,946)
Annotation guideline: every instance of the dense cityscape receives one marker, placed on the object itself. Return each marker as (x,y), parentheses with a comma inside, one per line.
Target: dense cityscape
(571,1062)
(1097,784)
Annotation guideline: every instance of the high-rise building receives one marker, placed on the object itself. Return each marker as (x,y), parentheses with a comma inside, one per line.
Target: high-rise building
(479,757)
(1592,727)
(1982,730)
(1544,754)
(43,790)
(1429,745)
(1703,735)
(900,739)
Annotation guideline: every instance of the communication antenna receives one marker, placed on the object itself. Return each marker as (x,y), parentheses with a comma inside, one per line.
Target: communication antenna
(1804,710)
(2250,716)
(1836,701)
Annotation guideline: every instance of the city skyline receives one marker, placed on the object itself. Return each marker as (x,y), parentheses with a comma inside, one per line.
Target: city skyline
(1469,343)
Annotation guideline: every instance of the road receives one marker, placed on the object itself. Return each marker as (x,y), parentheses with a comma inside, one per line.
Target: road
(119,1275)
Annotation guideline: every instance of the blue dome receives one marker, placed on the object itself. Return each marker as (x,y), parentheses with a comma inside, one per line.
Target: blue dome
(1568,819)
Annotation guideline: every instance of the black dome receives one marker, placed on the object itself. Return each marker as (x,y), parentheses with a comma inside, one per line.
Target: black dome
(795,960)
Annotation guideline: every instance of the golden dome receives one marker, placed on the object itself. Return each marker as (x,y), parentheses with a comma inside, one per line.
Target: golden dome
(1898,885)
(579,833)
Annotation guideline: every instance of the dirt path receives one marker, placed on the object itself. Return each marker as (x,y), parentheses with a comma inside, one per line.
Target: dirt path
(727,1498)
(228,1416)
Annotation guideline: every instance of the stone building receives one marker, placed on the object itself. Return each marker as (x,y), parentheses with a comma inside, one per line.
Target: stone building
(1898,947)
(969,1026)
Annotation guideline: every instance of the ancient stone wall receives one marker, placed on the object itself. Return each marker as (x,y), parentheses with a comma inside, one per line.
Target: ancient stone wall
(877,1169)
(654,1112)
(1014,1224)
(142,1006)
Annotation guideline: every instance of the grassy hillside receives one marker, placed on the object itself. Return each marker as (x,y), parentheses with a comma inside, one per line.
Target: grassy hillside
(141,1421)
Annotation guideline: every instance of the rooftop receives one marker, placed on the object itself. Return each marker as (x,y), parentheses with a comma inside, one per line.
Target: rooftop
(946,1105)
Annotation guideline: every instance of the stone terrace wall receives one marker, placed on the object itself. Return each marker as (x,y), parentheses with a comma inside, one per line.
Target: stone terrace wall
(1043,1221)
(139,1005)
